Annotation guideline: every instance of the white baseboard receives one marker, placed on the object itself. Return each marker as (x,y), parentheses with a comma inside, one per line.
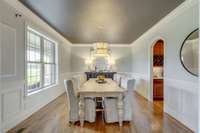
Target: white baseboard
(178,116)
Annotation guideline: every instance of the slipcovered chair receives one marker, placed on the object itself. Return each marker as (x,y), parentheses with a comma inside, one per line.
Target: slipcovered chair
(81,79)
(73,104)
(110,103)
(76,81)
(117,78)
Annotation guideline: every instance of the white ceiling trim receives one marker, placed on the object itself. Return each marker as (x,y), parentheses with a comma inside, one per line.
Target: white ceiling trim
(37,20)
(91,45)
(187,4)
(30,15)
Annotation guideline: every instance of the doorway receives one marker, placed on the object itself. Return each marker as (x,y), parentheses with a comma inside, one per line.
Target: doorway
(157,72)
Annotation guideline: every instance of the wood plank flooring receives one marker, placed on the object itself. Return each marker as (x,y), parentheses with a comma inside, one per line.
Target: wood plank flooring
(147,118)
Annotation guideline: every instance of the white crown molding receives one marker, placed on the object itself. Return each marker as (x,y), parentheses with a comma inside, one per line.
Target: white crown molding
(187,4)
(29,14)
(81,45)
(91,45)
(37,20)
(33,17)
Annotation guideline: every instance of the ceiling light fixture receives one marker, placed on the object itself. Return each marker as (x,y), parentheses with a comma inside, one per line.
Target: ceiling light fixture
(101,49)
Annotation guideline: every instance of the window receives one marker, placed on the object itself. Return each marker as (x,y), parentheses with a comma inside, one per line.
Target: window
(41,63)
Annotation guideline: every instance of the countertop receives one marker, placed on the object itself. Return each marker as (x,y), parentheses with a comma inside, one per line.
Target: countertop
(157,77)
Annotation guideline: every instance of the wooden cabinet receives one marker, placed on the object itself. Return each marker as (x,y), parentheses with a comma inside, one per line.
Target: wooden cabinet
(158,89)
(158,48)
(158,52)
(158,60)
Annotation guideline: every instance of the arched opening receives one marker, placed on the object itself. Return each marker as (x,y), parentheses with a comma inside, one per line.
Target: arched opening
(158,72)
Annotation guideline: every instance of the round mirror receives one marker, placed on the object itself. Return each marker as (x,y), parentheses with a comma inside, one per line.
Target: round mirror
(189,53)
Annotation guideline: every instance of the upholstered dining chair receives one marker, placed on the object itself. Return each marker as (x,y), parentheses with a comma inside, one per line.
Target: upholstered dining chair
(81,79)
(117,78)
(110,103)
(73,101)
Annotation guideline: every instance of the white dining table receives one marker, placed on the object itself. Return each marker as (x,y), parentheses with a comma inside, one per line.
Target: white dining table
(93,89)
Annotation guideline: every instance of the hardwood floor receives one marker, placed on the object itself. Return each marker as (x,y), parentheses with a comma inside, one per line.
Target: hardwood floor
(147,118)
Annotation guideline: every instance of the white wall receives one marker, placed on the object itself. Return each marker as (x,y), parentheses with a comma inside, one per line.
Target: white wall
(15,106)
(0,83)
(121,54)
(199,81)
(180,87)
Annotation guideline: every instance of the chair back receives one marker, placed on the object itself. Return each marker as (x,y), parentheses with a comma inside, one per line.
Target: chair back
(129,85)
(71,96)
(117,78)
(83,78)
(124,82)
(80,80)
(76,82)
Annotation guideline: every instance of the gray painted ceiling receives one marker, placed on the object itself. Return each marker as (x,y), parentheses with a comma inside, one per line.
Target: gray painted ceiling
(113,21)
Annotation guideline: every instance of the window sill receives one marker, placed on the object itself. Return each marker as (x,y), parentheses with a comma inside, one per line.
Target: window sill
(40,90)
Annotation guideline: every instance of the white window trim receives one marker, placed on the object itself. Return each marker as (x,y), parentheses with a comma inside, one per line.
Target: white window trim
(28,27)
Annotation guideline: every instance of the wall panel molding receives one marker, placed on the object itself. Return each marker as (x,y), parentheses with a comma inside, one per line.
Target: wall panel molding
(180,98)
(8,109)
(181,101)
(8,51)
(25,106)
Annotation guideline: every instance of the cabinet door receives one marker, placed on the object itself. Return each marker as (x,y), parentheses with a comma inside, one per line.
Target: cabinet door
(158,89)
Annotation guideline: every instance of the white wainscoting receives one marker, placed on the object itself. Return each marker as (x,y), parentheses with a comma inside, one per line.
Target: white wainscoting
(11,109)
(180,98)
(141,86)
(181,101)
(11,97)
(16,106)
(76,73)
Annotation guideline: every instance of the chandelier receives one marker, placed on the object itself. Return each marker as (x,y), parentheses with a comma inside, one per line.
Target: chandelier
(101,49)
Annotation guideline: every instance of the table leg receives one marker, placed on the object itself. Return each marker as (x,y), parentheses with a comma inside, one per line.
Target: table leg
(81,110)
(120,105)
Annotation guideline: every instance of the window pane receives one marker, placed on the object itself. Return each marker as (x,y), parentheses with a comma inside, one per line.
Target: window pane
(49,74)
(40,62)
(33,76)
(33,47)
(49,49)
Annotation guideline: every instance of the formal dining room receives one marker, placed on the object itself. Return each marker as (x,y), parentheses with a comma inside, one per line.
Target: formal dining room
(99,66)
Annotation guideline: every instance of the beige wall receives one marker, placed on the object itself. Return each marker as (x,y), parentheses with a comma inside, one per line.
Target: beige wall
(121,55)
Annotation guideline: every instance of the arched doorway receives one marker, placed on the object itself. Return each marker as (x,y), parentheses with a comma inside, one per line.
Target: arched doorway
(158,71)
